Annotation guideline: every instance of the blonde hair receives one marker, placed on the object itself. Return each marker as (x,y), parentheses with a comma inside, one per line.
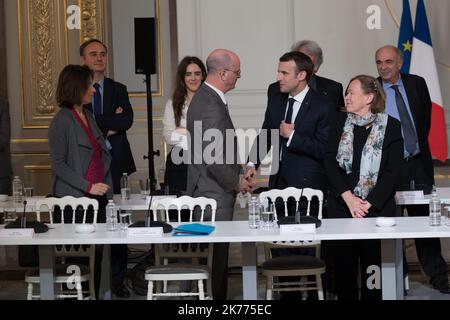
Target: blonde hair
(370,85)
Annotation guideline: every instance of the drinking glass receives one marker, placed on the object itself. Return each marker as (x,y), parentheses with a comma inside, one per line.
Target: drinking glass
(145,188)
(446,216)
(10,215)
(29,193)
(124,219)
(243,199)
(268,217)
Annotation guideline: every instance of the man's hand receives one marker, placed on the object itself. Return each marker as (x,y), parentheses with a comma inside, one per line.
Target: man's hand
(119,110)
(99,189)
(286,130)
(250,172)
(245,185)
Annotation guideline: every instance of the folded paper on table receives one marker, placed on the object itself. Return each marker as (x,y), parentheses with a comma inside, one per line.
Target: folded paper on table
(194,229)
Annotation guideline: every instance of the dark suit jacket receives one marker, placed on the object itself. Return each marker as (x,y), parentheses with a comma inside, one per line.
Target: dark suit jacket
(5,137)
(420,104)
(382,196)
(214,180)
(328,88)
(331,89)
(115,95)
(302,161)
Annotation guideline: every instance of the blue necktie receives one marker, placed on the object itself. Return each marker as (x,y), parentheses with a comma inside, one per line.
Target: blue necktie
(97,100)
(409,133)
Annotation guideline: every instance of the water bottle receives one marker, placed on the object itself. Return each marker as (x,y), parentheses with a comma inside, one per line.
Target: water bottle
(435,209)
(17,187)
(125,187)
(253,214)
(111,216)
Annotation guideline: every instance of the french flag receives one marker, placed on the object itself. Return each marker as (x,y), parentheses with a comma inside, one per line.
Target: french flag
(423,64)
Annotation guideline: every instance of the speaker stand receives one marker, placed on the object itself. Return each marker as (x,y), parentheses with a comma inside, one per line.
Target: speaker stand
(151,152)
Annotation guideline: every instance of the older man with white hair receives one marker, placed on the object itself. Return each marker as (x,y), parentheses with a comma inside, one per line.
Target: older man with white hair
(328,88)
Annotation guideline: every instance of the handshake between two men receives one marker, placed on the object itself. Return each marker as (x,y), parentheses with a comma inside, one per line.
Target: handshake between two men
(247,180)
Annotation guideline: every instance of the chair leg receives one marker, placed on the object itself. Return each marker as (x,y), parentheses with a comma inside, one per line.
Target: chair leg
(406,283)
(92,289)
(150,291)
(209,288)
(30,291)
(201,290)
(319,287)
(269,289)
(79,291)
(304,294)
(166,262)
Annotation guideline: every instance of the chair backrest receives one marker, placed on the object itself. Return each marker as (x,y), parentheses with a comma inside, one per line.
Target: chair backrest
(297,195)
(62,203)
(188,203)
(197,208)
(75,204)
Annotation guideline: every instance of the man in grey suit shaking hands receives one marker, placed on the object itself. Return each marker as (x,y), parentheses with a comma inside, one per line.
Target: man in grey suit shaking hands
(214,172)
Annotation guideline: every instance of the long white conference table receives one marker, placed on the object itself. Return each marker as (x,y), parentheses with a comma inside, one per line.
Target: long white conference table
(135,203)
(238,232)
(443,195)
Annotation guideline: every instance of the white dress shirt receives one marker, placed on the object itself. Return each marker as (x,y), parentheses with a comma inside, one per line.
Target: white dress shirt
(171,136)
(220,93)
(101,89)
(296,108)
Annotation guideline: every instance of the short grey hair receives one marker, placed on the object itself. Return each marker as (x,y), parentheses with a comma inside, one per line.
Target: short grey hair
(399,52)
(311,48)
(217,63)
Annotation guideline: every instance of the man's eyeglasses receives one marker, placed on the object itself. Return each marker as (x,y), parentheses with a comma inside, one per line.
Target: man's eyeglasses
(237,73)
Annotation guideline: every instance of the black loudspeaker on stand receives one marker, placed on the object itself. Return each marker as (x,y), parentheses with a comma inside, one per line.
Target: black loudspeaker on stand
(145,57)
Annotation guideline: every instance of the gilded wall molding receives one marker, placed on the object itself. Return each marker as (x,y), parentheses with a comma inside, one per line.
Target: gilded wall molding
(42,24)
(43,53)
(92,19)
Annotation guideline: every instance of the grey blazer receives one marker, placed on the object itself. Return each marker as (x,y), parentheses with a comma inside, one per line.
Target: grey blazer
(5,137)
(214,180)
(71,153)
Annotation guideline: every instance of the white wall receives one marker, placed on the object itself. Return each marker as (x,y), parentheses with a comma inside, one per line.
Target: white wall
(123,15)
(260,31)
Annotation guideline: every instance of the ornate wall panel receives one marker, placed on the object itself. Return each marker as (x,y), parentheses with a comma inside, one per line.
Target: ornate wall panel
(43,53)
(3,76)
(92,19)
(45,46)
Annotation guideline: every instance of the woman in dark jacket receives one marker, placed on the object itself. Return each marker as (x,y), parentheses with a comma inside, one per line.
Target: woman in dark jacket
(79,156)
(362,162)
(80,159)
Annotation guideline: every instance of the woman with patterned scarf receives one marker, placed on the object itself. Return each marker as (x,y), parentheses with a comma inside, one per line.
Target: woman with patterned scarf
(363,161)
